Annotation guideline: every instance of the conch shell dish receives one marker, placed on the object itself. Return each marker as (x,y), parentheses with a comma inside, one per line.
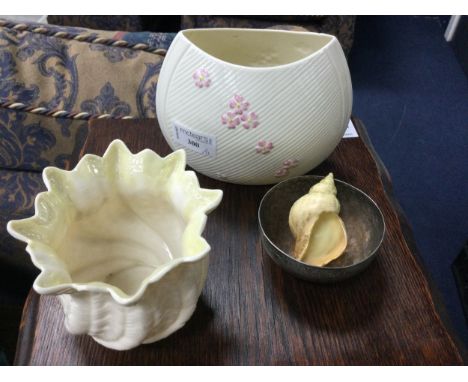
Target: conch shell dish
(118,239)
(314,221)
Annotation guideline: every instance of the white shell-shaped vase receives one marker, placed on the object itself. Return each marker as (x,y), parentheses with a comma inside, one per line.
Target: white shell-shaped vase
(118,239)
(254,106)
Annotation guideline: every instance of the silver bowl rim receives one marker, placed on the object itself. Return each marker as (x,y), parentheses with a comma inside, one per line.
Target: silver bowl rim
(371,254)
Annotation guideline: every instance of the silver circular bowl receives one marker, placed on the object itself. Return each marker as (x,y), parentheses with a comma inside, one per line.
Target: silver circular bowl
(361,216)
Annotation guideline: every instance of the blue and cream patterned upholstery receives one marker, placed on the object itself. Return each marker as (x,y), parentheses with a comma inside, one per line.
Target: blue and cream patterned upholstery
(50,83)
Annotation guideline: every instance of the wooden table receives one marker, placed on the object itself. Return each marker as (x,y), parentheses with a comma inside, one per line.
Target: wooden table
(251,312)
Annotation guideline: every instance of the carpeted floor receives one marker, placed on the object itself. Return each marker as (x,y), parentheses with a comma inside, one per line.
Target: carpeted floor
(412,94)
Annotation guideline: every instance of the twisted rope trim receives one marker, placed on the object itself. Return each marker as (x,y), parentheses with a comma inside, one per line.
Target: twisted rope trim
(59,113)
(83,37)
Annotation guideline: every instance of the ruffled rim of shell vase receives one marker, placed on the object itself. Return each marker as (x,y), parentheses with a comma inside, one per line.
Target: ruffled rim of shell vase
(115,169)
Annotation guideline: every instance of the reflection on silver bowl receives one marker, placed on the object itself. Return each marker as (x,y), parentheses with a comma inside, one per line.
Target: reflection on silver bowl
(362,218)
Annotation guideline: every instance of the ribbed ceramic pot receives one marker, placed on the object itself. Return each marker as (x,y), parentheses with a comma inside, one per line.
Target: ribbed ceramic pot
(118,239)
(254,106)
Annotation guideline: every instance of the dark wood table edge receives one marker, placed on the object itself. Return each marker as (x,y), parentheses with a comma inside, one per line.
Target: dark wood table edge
(26,330)
(28,320)
(407,232)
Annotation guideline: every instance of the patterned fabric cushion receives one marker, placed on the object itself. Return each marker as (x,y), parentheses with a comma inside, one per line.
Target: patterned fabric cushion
(52,79)
(32,142)
(17,192)
(65,74)
(69,77)
(17,186)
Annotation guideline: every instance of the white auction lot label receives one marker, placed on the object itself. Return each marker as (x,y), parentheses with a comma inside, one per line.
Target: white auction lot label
(201,143)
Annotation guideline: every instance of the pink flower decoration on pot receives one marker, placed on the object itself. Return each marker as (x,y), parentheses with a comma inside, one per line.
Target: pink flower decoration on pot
(290,163)
(239,114)
(281,172)
(202,78)
(287,164)
(249,120)
(238,104)
(264,147)
(230,119)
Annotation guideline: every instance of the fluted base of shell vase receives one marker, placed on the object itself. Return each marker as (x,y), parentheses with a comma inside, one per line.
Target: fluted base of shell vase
(123,327)
(178,324)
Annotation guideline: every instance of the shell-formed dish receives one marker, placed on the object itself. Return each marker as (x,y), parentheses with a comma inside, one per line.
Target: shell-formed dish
(118,238)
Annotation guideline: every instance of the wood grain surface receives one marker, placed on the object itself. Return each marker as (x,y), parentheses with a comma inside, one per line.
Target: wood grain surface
(251,312)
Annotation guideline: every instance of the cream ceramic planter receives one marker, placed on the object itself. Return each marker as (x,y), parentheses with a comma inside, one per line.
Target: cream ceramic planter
(118,239)
(254,106)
